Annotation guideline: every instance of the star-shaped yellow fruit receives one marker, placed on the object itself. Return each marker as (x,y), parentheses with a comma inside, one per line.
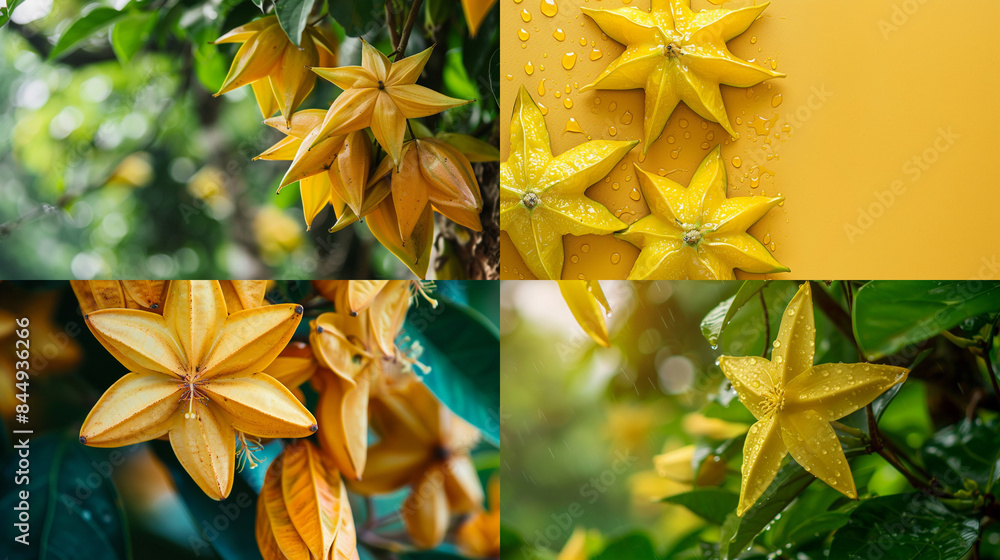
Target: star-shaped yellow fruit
(676,55)
(542,197)
(585,300)
(196,376)
(381,94)
(795,401)
(695,232)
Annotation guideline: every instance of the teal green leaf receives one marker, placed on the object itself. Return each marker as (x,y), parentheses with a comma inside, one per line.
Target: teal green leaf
(293,15)
(461,347)
(712,504)
(717,319)
(905,527)
(357,16)
(83,28)
(75,512)
(891,315)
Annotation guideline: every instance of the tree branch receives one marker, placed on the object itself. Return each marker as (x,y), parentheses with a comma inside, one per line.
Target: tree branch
(411,20)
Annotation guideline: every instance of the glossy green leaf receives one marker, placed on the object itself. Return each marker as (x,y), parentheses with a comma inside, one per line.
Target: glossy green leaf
(717,319)
(970,450)
(74,509)
(635,546)
(713,504)
(8,11)
(462,349)
(359,16)
(83,28)
(905,527)
(293,15)
(888,316)
(130,33)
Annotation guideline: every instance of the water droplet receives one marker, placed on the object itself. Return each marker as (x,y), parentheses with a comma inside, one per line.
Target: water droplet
(634,195)
(615,258)
(595,53)
(683,123)
(671,139)
(573,126)
(549,7)
(585,248)
(753,40)
(705,145)
(767,239)
(774,64)
(543,109)
(568,103)
(529,68)
(675,153)
(568,89)
(776,100)
(574,259)
(525,15)
(687,134)
(569,60)
(737,162)
(612,130)
(615,186)
(559,34)
(541,87)
(627,117)
(510,77)
(522,34)
(583,41)
(612,106)
(776,343)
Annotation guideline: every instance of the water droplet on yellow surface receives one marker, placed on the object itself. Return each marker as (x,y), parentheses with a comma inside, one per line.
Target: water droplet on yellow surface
(568,103)
(627,117)
(774,65)
(585,248)
(559,34)
(675,153)
(615,258)
(541,87)
(705,145)
(687,134)
(543,109)
(772,245)
(753,40)
(776,343)
(634,195)
(612,106)
(683,123)
(776,100)
(529,68)
(642,157)
(615,186)
(568,89)
(522,34)
(671,139)
(557,93)
(573,126)
(737,161)
(710,136)
(739,120)
(704,125)
(761,125)
(595,53)
(767,239)
(612,130)
(583,41)
(574,259)
(510,77)
(549,7)
(569,60)
(525,15)
(662,172)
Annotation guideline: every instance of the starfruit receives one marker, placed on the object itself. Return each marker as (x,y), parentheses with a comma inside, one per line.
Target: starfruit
(278,71)
(123,294)
(381,94)
(196,376)
(585,300)
(479,536)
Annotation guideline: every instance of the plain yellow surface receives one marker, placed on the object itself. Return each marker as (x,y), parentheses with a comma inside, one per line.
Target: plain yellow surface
(882,137)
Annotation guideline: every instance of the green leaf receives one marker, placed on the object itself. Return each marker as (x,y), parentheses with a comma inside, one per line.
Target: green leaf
(75,512)
(905,527)
(970,450)
(226,526)
(259,4)
(462,349)
(293,16)
(739,532)
(816,527)
(356,16)
(635,546)
(891,315)
(130,33)
(83,28)
(713,504)
(5,13)
(717,319)
(210,66)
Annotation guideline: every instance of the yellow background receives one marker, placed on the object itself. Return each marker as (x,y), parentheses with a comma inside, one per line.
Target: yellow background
(871,85)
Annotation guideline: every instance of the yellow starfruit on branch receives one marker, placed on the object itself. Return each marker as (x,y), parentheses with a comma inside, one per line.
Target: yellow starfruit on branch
(794,402)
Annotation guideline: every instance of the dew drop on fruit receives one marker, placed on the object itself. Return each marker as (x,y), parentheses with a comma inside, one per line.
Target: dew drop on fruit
(549,7)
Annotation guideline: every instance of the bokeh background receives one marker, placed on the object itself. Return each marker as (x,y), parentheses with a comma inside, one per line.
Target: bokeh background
(131,168)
